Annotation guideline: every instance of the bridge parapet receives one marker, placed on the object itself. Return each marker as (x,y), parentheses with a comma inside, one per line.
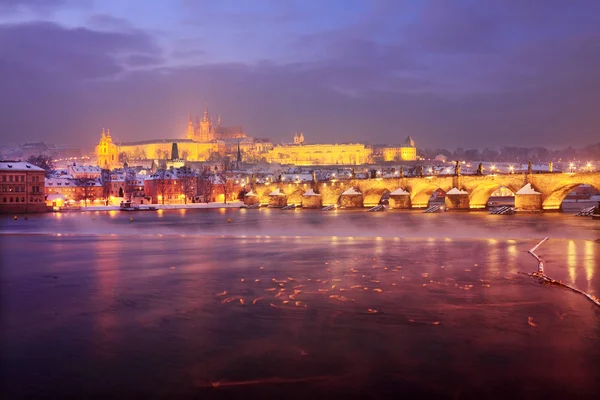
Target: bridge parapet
(553,188)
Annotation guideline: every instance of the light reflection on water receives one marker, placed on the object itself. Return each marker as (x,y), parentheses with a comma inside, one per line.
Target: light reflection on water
(444,310)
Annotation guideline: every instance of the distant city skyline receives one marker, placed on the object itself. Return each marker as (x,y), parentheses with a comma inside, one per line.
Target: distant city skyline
(454,74)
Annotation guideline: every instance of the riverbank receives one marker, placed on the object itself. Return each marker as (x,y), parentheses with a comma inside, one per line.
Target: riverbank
(234,204)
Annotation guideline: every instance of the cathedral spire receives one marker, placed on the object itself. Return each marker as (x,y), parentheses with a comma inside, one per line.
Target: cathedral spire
(103,133)
(205,116)
(219,120)
(190,129)
(108,133)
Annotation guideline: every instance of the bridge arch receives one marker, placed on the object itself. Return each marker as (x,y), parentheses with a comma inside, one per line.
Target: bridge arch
(385,197)
(554,200)
(373,196)
(480,196)
(421,199)
(294,193)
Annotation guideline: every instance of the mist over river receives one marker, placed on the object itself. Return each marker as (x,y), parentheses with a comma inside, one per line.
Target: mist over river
(270,304)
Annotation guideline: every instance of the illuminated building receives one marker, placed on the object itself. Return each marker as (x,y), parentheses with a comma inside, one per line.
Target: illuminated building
(21,187)
(405,152)
(207,142)
(299,153)
(107,152)
(85,191)
(203,141)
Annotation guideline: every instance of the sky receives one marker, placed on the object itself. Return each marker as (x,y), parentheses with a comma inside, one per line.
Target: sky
(450,73)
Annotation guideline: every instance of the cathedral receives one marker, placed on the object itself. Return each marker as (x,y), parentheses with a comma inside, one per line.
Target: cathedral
(203,141)
(204,131)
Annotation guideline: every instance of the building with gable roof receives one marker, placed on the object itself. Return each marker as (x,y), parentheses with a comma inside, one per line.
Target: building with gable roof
(22,187)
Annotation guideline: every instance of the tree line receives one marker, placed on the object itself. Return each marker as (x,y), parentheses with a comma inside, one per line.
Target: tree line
(517,154)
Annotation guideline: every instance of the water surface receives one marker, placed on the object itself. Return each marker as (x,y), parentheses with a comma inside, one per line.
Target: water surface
(297,304)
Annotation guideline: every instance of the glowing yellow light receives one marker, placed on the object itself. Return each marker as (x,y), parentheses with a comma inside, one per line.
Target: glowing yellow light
(572,259)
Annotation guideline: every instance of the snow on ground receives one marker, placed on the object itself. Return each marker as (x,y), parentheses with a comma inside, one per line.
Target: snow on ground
(233,204)
(351,191)
(527,189)
(276,192)
(399,191)
(456,191)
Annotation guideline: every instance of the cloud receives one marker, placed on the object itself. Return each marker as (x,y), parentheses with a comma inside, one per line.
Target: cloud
(108,22)
(490,76)
(48,49)
(39,7)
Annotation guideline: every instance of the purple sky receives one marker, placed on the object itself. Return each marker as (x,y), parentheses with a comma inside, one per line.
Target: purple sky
(460,73)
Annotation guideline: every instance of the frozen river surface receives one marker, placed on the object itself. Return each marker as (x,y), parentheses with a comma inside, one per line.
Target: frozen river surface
(294,304)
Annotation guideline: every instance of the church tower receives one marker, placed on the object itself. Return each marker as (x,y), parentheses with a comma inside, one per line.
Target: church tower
(190,129)
(174,151)
(205,132)
(107,153)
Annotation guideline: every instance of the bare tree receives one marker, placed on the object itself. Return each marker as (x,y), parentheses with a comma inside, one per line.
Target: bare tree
(187,179)
(106,184)
(162,183)
(130,178)
(85,188)
(226,178)
(44,162)
(205,183)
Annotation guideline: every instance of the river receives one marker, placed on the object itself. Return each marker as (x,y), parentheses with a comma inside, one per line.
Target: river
(269,303)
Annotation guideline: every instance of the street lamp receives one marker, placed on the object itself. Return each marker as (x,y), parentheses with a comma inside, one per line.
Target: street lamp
(571,165)
(512,169)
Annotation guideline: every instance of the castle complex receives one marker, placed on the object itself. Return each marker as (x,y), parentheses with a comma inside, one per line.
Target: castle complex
(205,141)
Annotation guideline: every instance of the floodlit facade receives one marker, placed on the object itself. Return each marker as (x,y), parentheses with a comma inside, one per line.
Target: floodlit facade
(320,154)
(405,152)
(203,140)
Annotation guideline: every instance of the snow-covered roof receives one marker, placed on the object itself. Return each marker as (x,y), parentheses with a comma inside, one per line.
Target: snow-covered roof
(70,182)
(527,189)
(276,192)
(297,177)
(85,168)
(399,191)
(456,191)
(18,166)
(310,192)
(250,193)
(351,191)
(59,181)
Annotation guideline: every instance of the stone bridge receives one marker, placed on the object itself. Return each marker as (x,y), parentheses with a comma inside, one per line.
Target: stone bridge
(533,192)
